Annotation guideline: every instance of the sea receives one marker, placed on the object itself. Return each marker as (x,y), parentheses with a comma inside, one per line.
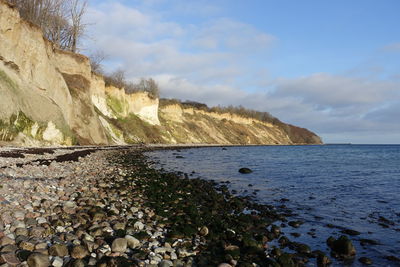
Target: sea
(330,188)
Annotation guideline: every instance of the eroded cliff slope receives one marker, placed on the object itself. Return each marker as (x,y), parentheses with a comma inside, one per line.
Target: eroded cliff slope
(51,97)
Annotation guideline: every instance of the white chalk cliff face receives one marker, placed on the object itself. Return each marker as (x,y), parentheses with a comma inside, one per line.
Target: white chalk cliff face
(52,97)
(53,87)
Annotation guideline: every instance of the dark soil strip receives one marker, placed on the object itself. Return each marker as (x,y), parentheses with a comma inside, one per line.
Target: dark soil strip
(12,154)
(74,156)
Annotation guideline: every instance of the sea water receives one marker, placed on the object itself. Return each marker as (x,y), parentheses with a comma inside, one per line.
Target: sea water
(329,187)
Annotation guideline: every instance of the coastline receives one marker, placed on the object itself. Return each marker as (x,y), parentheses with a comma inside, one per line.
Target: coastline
(111,206)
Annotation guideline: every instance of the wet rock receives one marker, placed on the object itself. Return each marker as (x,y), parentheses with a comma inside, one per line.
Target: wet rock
(59,250)
(350,232)
(286,260)
(38,260)
(342,247)
(119,245)
(245,170)
(203,231)
(364,242)
(392,258)
(323,260)
(365,260)
(295,224)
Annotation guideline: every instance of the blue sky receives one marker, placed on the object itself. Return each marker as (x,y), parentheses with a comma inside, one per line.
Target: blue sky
(330,66)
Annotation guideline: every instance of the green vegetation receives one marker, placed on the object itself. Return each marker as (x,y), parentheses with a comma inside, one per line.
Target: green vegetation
(115,104)
(20,123)
(296,134)
(136,130)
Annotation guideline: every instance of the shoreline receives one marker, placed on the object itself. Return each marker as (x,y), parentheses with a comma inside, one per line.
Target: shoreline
(111,195)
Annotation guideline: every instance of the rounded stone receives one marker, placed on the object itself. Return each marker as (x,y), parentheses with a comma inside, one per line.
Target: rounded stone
(365,260)
(132,242)
(119,245)
(59,250)
(38,260)
(204,231)
(26,245)
(79,252)
(245,170)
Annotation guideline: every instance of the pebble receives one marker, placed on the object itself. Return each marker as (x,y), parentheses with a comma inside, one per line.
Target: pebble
(38,260)
(119,245)
(79,252)
(57,262)
(132,242)
(59,250)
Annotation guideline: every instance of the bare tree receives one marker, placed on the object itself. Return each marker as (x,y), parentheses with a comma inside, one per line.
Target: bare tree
(77,10)
(60,20)
(96,60)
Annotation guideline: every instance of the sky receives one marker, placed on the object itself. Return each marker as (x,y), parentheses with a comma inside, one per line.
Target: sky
(330,66)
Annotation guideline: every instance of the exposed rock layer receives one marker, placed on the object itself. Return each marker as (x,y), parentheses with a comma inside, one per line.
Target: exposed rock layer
(51,97)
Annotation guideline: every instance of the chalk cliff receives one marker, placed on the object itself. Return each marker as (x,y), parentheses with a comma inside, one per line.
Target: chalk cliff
(51,97)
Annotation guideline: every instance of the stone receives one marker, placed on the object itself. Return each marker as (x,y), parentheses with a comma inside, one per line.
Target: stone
(37,231)
(342,246)
(138,226)
(21,231)
(77,263)
(119,226)
(204,231)
(23,254)
(224,265)
(10,259)
(6,241)
(9,248)
(57,262)
(26,245)
(132,242)
(365,260)
(245,170)
(38,260)
(59,250)
(323,260)
(119,245)
(19,215)
(165,263)
(79,252)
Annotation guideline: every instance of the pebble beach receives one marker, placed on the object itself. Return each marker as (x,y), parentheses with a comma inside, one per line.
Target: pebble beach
(107,207)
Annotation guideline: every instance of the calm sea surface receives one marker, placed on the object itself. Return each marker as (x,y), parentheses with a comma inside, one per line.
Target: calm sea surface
(330,188)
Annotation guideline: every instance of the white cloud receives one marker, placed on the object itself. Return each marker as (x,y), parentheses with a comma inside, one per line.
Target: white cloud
(210,62)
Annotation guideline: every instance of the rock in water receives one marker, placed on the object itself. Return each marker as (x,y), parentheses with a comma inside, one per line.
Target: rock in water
(343,246)
(365,260)
(38,260)
(245,170)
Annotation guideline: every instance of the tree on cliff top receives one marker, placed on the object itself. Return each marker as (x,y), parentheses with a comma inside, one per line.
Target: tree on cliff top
(60,20)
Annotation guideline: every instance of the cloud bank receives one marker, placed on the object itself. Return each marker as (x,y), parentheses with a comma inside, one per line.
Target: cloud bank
(218,61)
